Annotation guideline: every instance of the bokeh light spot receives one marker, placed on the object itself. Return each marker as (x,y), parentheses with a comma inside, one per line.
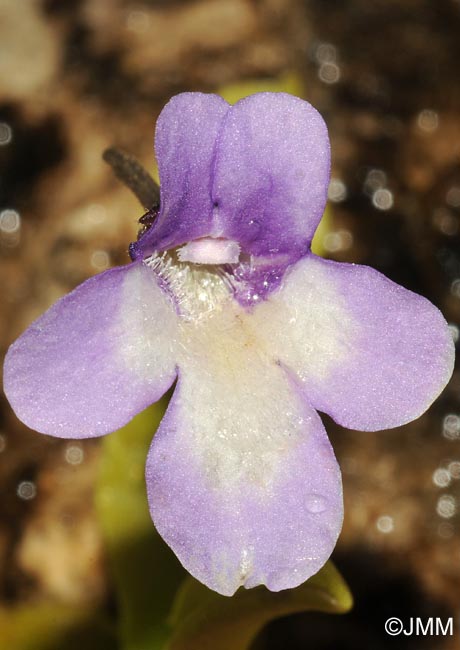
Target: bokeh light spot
(446,506)
(26,490)
(385,524)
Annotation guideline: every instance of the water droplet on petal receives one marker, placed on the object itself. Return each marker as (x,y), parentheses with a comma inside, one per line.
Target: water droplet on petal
(254,227)
(316,503)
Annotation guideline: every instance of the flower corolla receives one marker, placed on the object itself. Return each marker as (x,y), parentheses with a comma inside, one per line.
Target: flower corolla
(225,298)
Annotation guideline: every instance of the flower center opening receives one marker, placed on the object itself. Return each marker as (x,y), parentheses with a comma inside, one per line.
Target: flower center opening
(210,250)
(197,289)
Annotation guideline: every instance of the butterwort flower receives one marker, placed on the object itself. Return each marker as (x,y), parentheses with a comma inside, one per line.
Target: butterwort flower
(225,297)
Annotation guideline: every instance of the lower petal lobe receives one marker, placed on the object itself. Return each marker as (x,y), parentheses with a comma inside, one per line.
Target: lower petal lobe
(96,358)
(242,481)
(368,352)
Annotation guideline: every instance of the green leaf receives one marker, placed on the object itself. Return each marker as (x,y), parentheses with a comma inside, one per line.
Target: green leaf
(290,83)
(325,226)
(50,625)
(145,571)
(204,620)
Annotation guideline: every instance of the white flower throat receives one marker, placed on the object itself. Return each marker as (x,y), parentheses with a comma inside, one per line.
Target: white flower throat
(196,289)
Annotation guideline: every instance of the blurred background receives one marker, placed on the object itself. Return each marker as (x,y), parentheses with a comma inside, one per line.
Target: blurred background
(77,76)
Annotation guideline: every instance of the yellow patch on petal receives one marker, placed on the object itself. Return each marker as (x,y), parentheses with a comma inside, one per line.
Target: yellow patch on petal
(243,409)
(252,416)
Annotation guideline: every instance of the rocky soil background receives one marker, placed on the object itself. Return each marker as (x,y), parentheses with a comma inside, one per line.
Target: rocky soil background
(77,76)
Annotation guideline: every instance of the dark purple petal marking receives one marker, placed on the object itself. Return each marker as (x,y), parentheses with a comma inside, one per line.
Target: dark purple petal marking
(271,175)
(256,173)
(185,141)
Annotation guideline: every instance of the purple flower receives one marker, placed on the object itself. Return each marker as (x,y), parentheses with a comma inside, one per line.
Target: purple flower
(224,295)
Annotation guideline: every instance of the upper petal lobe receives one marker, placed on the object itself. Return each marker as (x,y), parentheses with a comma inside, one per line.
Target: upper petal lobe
(256,173)
(272,174)
(185,141)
